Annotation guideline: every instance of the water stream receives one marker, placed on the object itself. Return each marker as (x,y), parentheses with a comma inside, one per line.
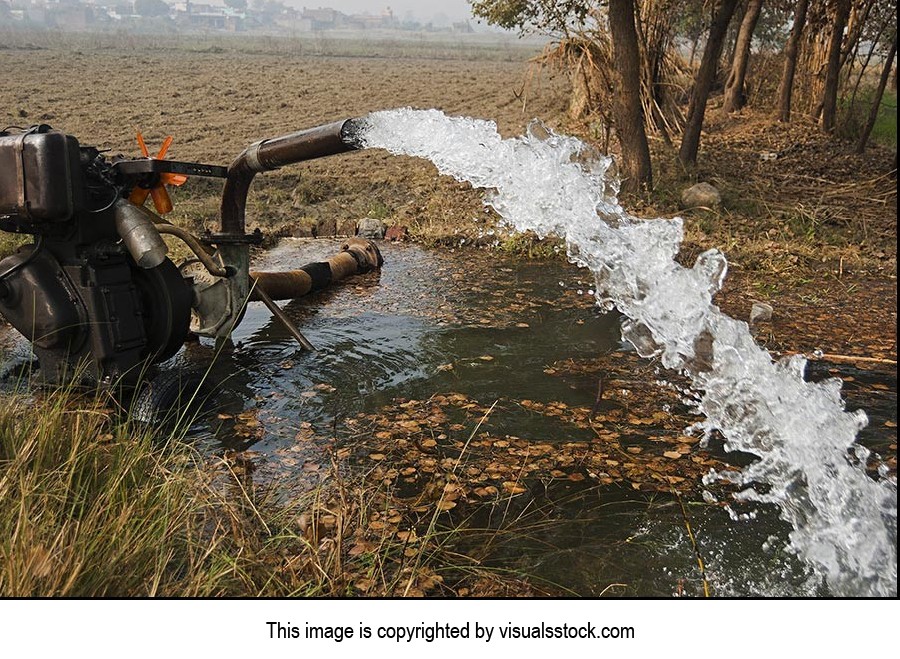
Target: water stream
(808,463)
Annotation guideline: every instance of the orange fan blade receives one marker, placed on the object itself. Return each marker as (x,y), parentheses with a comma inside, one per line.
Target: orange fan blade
(161,199)
(143,145)
(173,179)
(164,148)
(138,196)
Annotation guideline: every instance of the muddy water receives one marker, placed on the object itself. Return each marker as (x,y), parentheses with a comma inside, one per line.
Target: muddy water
(484,326)
(488,351)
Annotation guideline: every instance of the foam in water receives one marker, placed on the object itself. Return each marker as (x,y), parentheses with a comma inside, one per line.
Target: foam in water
(844,522)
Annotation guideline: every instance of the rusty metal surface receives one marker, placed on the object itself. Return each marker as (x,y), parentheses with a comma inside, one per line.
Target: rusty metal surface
(357,256)
(269,154)
(281,285)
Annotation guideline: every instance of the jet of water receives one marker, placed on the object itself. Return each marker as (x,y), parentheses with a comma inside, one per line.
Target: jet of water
(809,464)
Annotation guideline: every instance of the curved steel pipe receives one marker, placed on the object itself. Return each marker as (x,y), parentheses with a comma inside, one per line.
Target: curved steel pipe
(196,247)
(266,155)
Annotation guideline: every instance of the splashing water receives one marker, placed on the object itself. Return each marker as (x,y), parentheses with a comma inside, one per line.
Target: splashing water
(844,522)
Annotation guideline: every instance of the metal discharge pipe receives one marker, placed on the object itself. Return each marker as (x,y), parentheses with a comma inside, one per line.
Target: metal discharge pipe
(357,256)
(266,155)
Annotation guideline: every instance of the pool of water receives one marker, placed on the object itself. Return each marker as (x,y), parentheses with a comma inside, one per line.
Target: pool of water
(486,326)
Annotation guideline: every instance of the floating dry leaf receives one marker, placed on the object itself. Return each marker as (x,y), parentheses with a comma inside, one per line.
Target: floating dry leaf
(513,488)
(408,536)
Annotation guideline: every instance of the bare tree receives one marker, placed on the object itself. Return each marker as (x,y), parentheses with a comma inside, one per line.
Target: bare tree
(655,27)
(791,48)
(629,109)
(879,93)
(856,23)
(690,141)
(833,66)
(889,21)
(735,98)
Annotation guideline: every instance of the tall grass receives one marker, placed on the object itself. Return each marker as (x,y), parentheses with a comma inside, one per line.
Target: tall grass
(10,242)
(89,507)
(93,505)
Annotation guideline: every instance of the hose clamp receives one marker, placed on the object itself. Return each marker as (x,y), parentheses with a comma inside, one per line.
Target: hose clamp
(252,157)
(362,262)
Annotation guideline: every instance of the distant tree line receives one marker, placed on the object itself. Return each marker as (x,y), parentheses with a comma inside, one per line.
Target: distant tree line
(633,63)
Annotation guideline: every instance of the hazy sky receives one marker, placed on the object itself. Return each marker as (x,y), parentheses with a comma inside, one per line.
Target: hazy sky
(423,10)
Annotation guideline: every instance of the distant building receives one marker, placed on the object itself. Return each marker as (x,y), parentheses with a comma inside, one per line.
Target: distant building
(74,18)
(323,18)
(314,20)
(203,16)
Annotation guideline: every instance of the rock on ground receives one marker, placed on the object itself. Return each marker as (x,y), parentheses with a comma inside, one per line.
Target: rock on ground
(370,228)
(702,195)
(760,312)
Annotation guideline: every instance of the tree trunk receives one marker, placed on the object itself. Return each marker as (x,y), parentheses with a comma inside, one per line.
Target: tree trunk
(856,22)
(791,48)
(629,109)
(865,65)
(690,142)
(693,53)
(876,103)
(734,88)
(729,46)
(833,69)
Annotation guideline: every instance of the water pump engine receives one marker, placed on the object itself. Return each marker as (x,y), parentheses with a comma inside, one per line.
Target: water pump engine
(97,294)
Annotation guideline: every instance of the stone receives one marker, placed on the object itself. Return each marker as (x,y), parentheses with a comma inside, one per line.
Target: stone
(702,195)
(396,232)
(760,312)
(370,228)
